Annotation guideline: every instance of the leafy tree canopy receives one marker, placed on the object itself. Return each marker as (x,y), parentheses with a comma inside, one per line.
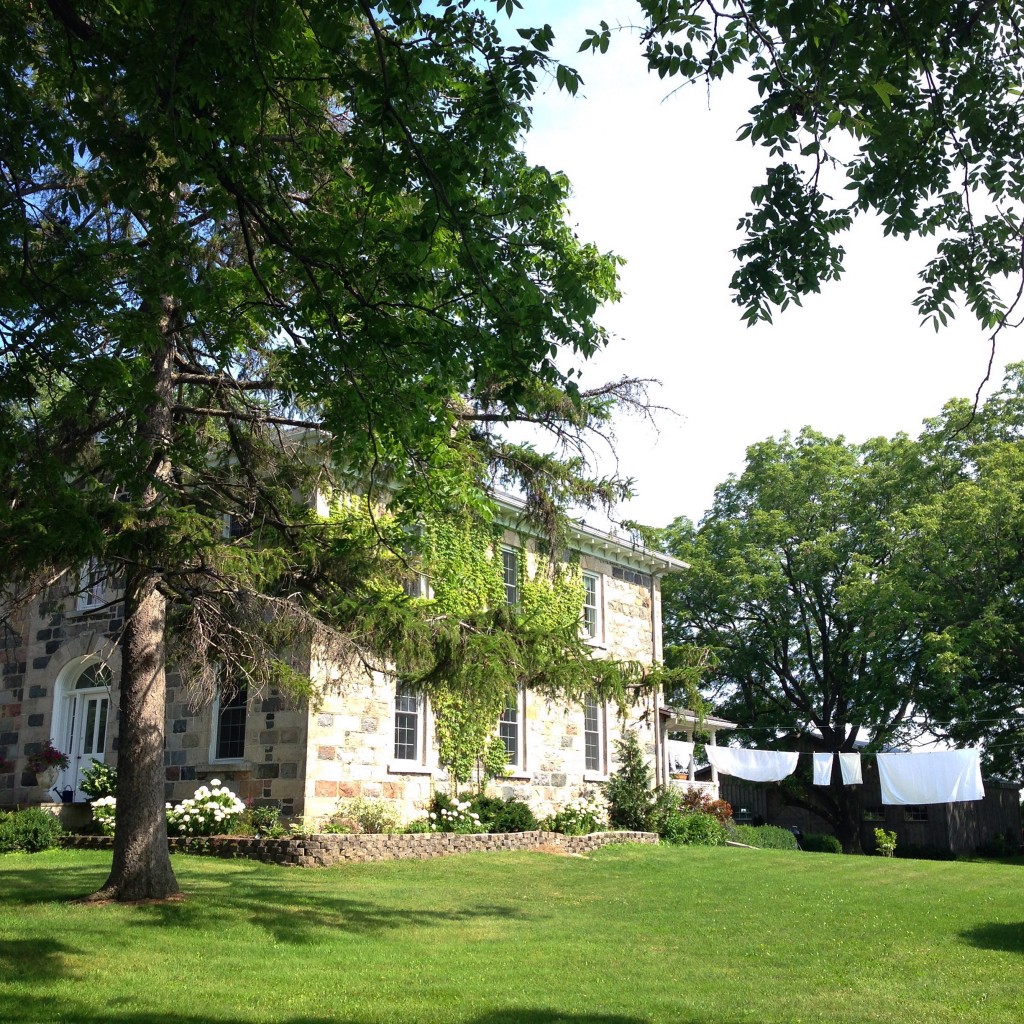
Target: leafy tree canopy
(866,592)
(910,109)
(254,253)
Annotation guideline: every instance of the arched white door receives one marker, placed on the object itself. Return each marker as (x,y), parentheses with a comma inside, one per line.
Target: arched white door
(84,712)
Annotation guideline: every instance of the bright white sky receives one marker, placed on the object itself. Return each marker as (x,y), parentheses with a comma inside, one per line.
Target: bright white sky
(659,180)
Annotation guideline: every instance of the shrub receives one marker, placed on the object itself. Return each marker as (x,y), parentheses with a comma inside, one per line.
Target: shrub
(687,828)
(29,831)
(579,817)
(485,807)
(263,822)
(448,815)
(333,828)
(360,814)
(818,842)
(699,802)
(418,826)
(99,780)
(764,837)
(513,816)
(210,812)
(628,789)
(885,842)
(498,815)
(103,810)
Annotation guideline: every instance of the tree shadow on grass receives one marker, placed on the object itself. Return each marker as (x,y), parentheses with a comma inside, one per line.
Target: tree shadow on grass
(302,917)
(290,914)
(37,1009)
(1009,938)
(45,884)
(35,960)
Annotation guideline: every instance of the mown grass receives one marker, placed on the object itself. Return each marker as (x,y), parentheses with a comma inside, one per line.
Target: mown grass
(628,935)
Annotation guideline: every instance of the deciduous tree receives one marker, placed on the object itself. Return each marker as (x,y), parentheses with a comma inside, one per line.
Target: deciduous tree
(865,594)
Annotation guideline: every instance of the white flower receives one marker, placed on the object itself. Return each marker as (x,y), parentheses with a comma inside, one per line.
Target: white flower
(214,782)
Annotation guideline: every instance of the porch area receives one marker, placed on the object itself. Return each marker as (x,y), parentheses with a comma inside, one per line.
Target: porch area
(679,767)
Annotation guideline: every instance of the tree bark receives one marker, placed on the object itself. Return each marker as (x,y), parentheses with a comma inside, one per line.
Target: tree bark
(849,809)
(142,864)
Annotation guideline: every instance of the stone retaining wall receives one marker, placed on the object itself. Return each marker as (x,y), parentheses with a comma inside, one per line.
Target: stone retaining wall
(323,851)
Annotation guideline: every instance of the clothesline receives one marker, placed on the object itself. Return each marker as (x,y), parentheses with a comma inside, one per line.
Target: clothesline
(1008,719)
(929,777)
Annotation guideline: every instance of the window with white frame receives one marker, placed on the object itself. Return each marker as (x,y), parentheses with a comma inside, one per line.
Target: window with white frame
(510,575)
(591,606)
(593,739)
(91,580)
(408,724)
(510,731)
(229,713)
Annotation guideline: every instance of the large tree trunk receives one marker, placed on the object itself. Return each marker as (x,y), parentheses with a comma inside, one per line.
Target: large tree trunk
(142,863)
(849,811)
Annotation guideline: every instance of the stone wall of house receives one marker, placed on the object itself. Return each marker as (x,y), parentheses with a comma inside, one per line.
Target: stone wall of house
(273,769)
(325,851)
(305,760)
(13,669)
(51,636)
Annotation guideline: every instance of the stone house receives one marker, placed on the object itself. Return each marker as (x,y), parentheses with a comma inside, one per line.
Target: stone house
(367,738)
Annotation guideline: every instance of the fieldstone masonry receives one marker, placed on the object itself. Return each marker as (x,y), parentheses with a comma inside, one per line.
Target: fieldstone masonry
(305,760)
(326,851)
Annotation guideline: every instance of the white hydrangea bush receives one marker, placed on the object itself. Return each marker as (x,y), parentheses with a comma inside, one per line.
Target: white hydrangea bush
(209,812)
(103,811)
(213,811)
(587,813)
(459,819)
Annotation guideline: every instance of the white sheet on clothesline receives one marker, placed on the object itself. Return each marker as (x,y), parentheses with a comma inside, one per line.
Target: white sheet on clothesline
(753,765)
(679,755)
(936,777)
(822,769)
(849,765)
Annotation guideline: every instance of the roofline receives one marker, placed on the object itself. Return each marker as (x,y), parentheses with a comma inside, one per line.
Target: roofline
(600,543)
(685,715)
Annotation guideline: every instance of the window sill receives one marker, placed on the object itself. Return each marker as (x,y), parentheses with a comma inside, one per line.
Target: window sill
(76,612)
(595,777)
(514,776)
(598,645)
(409,768)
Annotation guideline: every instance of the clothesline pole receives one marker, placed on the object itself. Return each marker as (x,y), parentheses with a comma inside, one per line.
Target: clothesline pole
(714,770)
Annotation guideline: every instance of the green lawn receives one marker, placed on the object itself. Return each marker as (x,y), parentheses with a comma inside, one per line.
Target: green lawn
(630,934)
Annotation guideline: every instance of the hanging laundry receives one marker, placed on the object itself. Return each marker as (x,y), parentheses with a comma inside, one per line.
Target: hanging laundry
(849,765)
(822,769)
(937,777)
(752,765)
(680,754)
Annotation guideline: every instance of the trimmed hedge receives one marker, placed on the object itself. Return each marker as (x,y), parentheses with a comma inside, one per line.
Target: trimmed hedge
(29,831)
(819,842)
(765,837)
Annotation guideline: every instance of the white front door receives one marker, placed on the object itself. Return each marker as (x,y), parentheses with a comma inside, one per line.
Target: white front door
(86,739)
